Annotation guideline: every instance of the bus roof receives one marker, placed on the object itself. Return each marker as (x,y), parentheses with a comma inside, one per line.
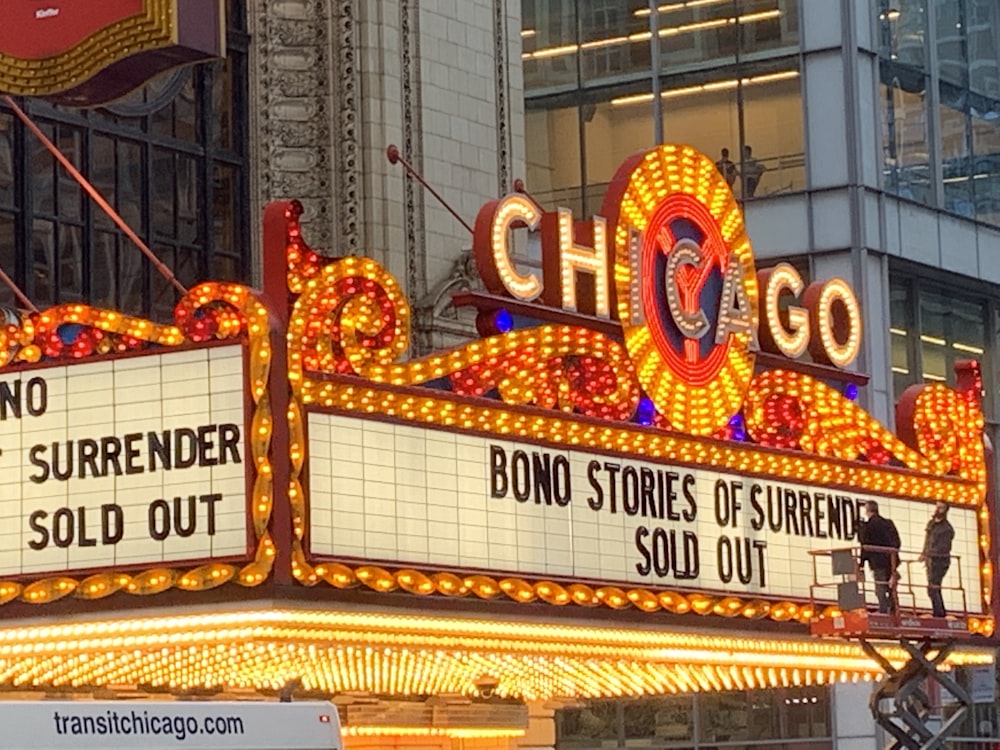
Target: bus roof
(177,725)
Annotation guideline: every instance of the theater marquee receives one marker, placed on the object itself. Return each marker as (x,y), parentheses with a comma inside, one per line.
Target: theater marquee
(136,460)
(616,437)
(134,455)
(404,494)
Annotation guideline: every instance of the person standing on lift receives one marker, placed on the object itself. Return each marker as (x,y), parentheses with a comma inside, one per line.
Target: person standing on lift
(880,549)
(936,555)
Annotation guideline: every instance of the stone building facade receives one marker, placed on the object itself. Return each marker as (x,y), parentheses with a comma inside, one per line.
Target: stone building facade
(333,84)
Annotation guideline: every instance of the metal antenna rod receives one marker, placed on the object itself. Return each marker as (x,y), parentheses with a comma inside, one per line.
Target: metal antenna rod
(158,264)
(21,296)
(394,157)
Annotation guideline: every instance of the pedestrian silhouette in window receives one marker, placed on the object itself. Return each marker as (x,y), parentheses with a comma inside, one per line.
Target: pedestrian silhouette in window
(753,170)
(726,168)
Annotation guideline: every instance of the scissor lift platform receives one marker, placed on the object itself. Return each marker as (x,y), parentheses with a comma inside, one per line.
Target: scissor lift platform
(860,623)
(900,702)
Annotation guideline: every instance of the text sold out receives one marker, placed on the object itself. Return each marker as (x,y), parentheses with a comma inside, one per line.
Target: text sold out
(105,525)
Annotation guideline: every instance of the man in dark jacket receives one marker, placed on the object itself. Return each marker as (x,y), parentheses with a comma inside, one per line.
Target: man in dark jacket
(880,549)
(937,555)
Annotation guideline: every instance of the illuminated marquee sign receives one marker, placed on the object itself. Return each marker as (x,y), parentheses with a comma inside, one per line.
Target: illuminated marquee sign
(408,495)
(140,460)
(134,455)
(673,257)
(625,371)
(86,53)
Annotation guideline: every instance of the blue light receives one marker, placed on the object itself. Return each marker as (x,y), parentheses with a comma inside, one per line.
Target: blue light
(737,428)
(503,321)
(646,412)
(68,332)
(851,391)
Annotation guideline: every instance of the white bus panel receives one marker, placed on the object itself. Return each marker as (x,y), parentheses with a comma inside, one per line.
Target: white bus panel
(147,725)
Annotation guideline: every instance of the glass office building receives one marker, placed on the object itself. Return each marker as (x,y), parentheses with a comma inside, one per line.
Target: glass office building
(863,137)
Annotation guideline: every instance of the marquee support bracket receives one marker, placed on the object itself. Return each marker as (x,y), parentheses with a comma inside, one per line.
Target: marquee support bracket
(900,704)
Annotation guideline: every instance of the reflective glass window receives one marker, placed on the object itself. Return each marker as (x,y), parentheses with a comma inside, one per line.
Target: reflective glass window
(792,718)
(172,167)
(956,150)
(902,32)
(906,153)
(729,79)
(931,328)
(982,19)
(985,127)
(950,26)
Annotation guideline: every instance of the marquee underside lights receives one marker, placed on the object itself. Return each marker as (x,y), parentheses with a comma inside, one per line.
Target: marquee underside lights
(418,655)
(69,334)
(663,392)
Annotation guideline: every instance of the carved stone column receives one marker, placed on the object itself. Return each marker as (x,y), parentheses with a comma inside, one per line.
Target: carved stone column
(291,100)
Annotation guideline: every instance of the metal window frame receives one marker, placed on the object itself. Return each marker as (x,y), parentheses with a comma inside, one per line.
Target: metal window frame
(107,125)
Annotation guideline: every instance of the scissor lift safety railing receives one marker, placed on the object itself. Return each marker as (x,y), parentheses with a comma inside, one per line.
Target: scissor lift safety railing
(843,603)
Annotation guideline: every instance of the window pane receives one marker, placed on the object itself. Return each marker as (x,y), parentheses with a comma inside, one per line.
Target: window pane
(189,200)
(162,120)
(956,162)
(904,135)
(70,263)
(70,192)
(612,131)
(986,165)
(901,327)
(6,160)
(953,66)
(983,27)
(235,14)
(553,157)
(225,195)
(950,329)
(589,725)
(130,268)
(131,189)
(548,37)
(663,719)
(8,253)
(222,105)
(613,47)
(724,717)
(164,294)
(902,28)
(187,266)
(768,25)
(186,112)
(164,195)
(43,173)
(703,35)
(226,268)
(43,241)
(102,175)
(807,713)
(104,270)
(774,131)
